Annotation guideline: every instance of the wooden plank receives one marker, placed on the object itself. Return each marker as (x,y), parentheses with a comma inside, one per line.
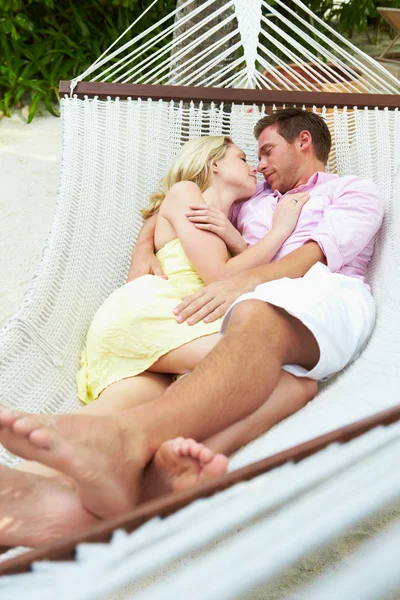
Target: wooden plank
(166,505)
(228,95)
(392,16)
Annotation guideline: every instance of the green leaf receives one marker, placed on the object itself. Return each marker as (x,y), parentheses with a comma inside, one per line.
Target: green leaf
(32,84)
(56,67)
(6,103)
(49,105)
(80,20)
(33,108)
(24,22)
(14,33)
(21,91)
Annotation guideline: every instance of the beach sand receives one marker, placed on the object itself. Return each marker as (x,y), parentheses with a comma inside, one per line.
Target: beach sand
(29,172)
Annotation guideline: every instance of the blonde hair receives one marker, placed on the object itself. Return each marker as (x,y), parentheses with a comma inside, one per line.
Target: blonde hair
(192,163)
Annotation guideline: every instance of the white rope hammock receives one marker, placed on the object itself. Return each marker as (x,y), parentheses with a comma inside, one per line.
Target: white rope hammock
(114,153)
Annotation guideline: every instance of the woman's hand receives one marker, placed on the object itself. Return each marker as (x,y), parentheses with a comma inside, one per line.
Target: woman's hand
(211,219)
(287,212)
(144,262)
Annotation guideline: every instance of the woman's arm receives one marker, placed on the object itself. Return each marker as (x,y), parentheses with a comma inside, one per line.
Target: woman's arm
(206,251)
(209,218)
(143,261)
(284,222)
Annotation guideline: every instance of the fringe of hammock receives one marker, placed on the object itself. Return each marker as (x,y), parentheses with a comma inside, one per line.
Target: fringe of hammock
(165,506)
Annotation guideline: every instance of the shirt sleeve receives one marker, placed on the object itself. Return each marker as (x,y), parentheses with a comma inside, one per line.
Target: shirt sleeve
(349,222)
(234,212)
(233,216)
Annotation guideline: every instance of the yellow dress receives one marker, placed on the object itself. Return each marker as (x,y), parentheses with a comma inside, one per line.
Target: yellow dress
(135,326)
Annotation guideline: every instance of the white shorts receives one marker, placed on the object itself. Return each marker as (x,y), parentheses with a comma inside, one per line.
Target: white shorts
(337,309)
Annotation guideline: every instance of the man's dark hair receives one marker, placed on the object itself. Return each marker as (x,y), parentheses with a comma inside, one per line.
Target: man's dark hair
(291,122)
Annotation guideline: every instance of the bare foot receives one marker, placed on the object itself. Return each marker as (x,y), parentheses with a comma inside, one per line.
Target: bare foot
(181,464)
(35,511)
(105,464)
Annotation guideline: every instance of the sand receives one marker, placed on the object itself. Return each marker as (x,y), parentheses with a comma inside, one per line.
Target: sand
(29,173)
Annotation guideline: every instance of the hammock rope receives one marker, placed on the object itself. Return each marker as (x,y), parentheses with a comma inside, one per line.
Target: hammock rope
(327,59)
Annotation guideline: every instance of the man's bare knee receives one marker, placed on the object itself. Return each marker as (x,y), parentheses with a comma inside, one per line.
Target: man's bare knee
(250,312)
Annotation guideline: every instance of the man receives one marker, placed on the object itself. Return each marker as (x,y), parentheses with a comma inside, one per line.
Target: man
(308,311)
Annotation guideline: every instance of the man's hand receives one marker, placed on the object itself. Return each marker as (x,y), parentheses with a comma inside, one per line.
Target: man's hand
(144,262)
(209,218)
(212,301)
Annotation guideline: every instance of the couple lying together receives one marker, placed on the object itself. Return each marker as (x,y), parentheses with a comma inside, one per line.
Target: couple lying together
(255,309)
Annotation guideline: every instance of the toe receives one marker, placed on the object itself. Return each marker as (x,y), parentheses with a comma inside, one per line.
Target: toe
(8,417)
(216,467)
(41,438)
(25,425)
(205,455)
(175,445)
(195,450)
(185,447)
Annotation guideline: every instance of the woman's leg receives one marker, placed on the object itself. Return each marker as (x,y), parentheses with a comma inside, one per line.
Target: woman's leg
(185,358)
(128,393)
(119,396)
(291,392)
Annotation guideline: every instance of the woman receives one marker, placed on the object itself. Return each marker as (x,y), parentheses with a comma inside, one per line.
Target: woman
(134,343)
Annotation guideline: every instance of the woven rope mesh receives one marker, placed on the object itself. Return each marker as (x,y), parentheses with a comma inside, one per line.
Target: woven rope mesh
(114,154)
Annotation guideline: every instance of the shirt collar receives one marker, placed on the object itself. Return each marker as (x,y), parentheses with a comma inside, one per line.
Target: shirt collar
(315,179)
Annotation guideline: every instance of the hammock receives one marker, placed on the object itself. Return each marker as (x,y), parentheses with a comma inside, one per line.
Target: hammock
(118,139)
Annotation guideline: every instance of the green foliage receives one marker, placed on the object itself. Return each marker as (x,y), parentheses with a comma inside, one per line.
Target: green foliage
(44,41)
(360,15)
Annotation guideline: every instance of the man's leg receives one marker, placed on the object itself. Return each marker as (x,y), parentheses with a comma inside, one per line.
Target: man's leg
(228,385)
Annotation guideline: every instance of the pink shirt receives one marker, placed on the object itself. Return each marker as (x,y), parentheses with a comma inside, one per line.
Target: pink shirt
(342,215)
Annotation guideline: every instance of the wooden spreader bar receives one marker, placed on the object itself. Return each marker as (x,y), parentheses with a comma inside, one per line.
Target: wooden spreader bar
(65,549)
(230,95)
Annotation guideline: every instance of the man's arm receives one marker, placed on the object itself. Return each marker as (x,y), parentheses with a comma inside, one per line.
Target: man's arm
(293,265)
(213,301)
(143,261)
(348,226)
